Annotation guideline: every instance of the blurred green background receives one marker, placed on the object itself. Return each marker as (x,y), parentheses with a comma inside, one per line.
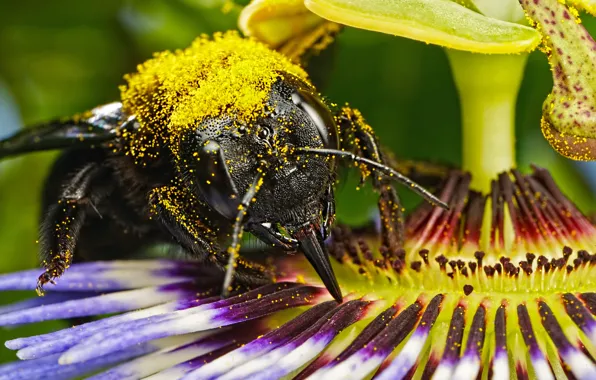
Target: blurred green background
(65,56)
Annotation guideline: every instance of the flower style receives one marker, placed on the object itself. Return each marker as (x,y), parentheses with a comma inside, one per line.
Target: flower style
(474,289)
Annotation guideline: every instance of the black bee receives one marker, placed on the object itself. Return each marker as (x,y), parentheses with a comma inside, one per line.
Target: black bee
(222,137)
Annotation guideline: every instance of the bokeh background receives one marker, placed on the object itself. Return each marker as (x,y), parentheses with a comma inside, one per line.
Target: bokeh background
(61,57)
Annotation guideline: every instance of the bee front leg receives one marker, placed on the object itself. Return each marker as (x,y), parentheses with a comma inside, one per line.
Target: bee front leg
(178,213)
(358,137)
(64,219)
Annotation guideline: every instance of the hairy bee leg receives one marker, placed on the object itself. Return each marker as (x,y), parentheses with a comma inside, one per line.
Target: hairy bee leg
(234,248)
(358,137)
(192,234)
(64,219)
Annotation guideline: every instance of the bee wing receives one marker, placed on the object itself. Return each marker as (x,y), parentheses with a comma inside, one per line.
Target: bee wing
(99,125)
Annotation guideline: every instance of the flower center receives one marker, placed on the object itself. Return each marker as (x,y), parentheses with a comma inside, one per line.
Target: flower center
(525,236)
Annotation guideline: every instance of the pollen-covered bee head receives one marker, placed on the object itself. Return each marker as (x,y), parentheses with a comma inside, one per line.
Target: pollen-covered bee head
(229,110)
(224,155)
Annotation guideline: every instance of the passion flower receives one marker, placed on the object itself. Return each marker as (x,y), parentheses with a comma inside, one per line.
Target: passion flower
(500,285)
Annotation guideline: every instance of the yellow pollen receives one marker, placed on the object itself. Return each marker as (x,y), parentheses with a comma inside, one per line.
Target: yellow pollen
(177,91)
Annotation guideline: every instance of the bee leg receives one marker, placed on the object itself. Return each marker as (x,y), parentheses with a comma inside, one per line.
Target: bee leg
(328,212)
(359,138)
(64,219)
(179,213)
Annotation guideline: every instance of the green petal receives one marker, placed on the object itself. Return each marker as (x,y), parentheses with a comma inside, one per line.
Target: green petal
(440,22)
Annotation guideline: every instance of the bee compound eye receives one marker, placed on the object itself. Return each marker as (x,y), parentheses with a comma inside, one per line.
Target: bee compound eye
(320,115)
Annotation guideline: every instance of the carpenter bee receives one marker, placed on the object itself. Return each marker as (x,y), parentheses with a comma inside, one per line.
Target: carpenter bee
(223,137)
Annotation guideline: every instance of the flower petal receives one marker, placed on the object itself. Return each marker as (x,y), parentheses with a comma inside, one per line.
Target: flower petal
(104,304)
(48,299)
(500,365)
(440,22)
(469,364)
(40,368)
(452,345)
(126,323)
(410,353)
(539,362)
(193,346)
(60,341)
(107,276)
(264,344)
(580,365)
(178,371)
(580,315)
(372,354)
(48,365)
(303,348)
(201,318)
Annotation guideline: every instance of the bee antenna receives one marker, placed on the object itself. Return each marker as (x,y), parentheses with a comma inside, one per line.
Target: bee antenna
(418,189)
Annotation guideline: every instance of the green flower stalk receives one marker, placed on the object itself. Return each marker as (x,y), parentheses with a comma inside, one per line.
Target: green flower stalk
(488,86)
(506,10)
(569,112)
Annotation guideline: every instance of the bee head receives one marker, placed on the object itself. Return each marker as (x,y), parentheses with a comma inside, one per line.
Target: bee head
(289,194)
(223,155)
